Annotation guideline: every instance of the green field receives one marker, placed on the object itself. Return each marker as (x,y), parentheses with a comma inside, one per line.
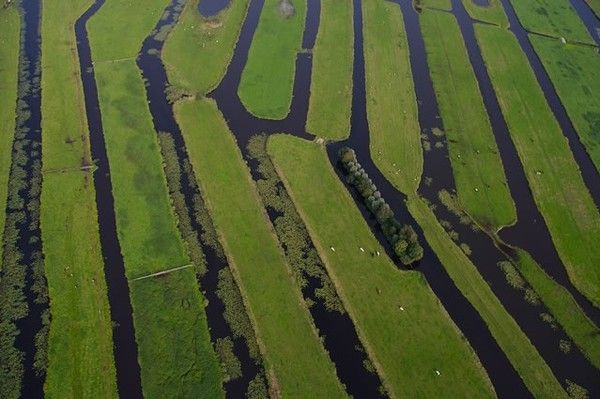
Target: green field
(215,36)
(476,163)
(552,17)
(378,296)
(553,174)
(297,363)
(10,28)
(331,85)
(573,70)
(439,4)
(395,142)
(562,305)
(150,241)
(268,77)
(80,347)
(535,373)
(492,13)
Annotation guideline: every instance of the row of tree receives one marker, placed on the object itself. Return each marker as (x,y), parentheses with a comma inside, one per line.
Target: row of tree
(403,238)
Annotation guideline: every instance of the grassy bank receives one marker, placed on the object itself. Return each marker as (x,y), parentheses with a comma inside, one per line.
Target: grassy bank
(553,174)
(268,77)
(331,85)
(80,348)
(552,17)
(573,70)
(476,163)
(595,6)
(10,35)
(562,305)
(171,330)
(492,13)
(216,37)
(395,142)
(377,295)
(296,363)
(535,373)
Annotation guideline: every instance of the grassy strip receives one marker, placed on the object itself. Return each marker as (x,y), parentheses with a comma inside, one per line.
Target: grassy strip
(216,36)
(595,5)
(514,343)
(552,17)
(175,354)
(492,13)
(562,305)
(476,163)
(383,298)
(299,251)
(573,70)
(553,175)
(395,133)
(331,84)
(297,363)
(268,77)
(80,354)
(439,4)
(10,34)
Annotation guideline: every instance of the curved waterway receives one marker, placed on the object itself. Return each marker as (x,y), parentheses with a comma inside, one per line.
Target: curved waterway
(210,8)
(152,68)
(121,312)
(530,222)
(339,333)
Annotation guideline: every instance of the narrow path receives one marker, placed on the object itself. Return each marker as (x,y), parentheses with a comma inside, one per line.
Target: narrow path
(162,273)
(125,347)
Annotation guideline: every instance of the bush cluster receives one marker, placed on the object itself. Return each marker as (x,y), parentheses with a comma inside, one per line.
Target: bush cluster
(402,238)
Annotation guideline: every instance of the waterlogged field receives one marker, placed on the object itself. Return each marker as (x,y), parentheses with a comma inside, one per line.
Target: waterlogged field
(378,296)
(331,84)
(554,178)
(552,17)
(395,134)
(80,349)
(268,78)
(297,363)
(10,28)
(574,73)
(476,163)
(150,241)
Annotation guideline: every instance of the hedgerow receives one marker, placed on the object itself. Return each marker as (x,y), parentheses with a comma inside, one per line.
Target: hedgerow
(402,238)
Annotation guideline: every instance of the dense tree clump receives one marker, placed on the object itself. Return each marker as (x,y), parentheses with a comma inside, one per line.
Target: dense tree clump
(402,238)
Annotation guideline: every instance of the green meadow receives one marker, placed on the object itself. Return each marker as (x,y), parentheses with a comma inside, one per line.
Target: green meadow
(146,224)
(297,363)
(331,83)
(395,134)
(552,17)
(574,70)
(476,162)
(554,177)
(395,311)
(268,77)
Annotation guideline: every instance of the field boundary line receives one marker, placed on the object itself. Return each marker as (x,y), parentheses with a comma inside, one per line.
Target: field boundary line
(162,273)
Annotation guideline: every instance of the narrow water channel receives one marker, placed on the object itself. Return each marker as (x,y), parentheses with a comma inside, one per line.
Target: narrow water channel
(590,174)
(530,222)
(589,18)
(152,68)
(338,331)
(22,239)
(121,312)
